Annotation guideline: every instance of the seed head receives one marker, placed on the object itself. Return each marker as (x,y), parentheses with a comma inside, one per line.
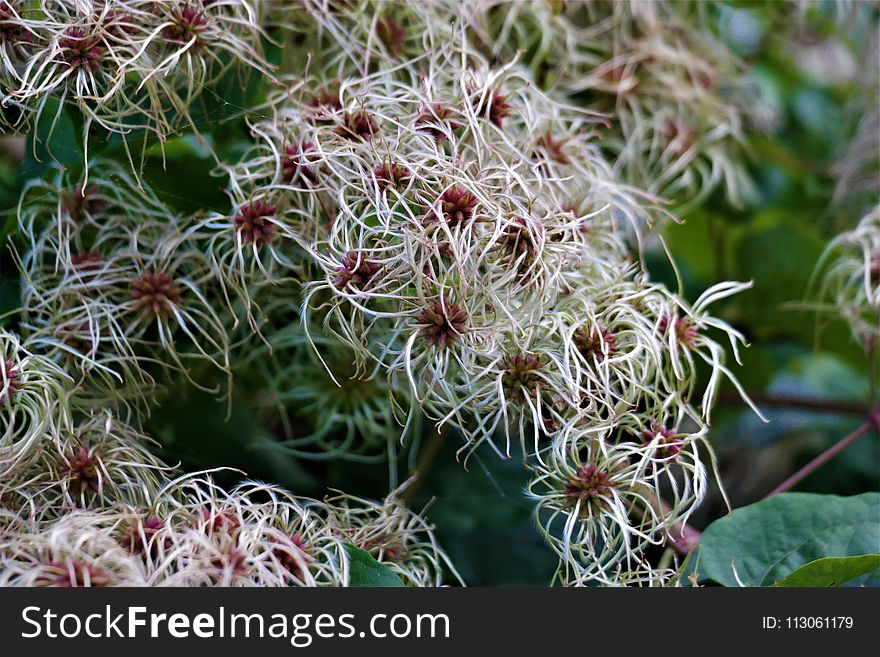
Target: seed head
(493,107)
(10,381)
(685,331)
(457,206)
(285,550)
(80,50)
(518,242)
(188,22)
(71,574)
(85,265)
(429,118)
(595,342)
(83,471)
(155,294)
(253,222)
(218,521)
(139,537)
(551,148)
(590,486)
(668,446)
(356,271)
(386,546)
(295,165)
(77,203)
(324,104)
(392,175)
(229,561)
(442,322)
(10,26)
(678,137)
(522,375)
(359,124)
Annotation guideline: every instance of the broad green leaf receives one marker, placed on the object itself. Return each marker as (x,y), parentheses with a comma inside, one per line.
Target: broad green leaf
(831,571)
(764,542)
(367,572)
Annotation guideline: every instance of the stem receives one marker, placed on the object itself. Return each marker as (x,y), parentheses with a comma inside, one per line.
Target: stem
(791,401)
(423,466)
(873,422)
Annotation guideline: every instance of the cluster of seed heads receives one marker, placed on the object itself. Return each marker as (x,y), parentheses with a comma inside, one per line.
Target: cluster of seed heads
(90,506)
(422,228)
(128,65)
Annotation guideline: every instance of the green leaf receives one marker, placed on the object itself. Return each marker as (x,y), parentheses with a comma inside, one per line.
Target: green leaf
(367,572)
(54,139)
(831,571)
(762,543)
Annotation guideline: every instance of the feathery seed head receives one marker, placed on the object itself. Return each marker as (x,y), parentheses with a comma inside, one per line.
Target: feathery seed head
(71,573)
(295,165)
(81,50)
(590,488)
(356,271)
(253,222)
(521,378)
(155,294)
(358,124)
(10,381)
(456,206)
(392,174)
(442,322)
(188,23)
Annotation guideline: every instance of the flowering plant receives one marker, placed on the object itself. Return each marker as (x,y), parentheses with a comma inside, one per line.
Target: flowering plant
(433,221)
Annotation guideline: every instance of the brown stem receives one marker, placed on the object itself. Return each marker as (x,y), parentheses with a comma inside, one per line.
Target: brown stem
(423,465)
(791,401)
(873,422)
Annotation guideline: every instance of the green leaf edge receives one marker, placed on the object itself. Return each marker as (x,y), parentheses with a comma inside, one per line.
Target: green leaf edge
(366,572)
(843,570)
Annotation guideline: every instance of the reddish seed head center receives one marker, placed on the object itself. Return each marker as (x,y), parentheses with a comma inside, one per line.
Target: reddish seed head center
(155,294)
